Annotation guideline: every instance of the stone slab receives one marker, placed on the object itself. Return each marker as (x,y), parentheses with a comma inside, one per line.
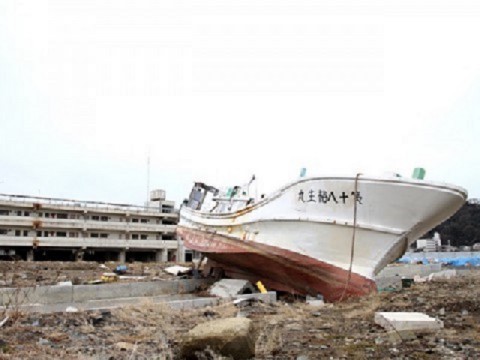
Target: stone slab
(403,321)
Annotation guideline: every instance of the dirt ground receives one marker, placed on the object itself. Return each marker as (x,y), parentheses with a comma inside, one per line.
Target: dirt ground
(30,273)
(284,330)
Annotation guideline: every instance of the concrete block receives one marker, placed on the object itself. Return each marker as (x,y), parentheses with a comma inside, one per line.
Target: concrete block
(193,303)
(409,270)
(88,292)
(229,288)
(52,294)
(407,321)
(389,283)
(150,288)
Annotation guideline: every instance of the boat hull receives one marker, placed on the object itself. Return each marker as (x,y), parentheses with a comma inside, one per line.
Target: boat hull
(277,268)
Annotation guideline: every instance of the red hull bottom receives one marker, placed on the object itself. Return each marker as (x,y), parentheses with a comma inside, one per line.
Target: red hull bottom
(277,268)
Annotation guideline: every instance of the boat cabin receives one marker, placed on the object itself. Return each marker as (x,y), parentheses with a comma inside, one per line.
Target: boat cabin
(207,198)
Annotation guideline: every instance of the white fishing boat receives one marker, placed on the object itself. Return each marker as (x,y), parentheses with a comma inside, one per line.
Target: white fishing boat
(318,235)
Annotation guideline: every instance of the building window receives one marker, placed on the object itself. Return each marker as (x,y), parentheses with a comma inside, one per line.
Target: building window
(73,234)
(18,232)
(61,234)
(143,237)
(134,220)
(104,218)
(26,213)
(25,232)
(39,233)
(135,236)
(62,216)
(95,217)
(3,232)
(104,236)
(94,235)
(144,221)
(19,213)
(4,212)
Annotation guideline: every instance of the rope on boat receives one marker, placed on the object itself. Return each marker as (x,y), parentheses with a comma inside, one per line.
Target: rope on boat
(352,249)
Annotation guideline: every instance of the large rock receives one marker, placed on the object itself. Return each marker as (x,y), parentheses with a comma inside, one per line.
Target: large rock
(229,337)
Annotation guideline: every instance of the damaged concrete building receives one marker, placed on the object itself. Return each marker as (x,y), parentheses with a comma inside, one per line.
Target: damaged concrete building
(40,228)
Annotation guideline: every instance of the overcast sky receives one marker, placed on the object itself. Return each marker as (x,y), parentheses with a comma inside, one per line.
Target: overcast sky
(218,90)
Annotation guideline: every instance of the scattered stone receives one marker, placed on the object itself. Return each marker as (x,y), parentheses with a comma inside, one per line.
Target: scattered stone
(57,337)
(99,317)
(230,337)
(124,346)
(43,341)
(209,313)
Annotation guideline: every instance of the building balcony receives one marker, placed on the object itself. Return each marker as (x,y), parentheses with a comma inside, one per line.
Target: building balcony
(94,243)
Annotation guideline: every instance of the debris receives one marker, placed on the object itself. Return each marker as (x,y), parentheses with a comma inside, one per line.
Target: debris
(444,274)
(177,270)
(261,287)
(100,317)
(230,337)
(131,277)
(120,269)
(413,321)
(109,277)
(3,322)
(209,313)
(228,288)
(242,302)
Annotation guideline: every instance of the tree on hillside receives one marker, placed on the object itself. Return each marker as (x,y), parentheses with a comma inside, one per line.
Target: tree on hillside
(461,229)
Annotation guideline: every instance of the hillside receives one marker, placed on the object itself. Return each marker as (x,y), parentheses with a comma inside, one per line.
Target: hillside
(463,228)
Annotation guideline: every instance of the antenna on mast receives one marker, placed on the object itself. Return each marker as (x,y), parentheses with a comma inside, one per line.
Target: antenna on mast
(148,174)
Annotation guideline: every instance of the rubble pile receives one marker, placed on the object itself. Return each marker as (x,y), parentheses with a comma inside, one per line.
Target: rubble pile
(29,273)
(281,330)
